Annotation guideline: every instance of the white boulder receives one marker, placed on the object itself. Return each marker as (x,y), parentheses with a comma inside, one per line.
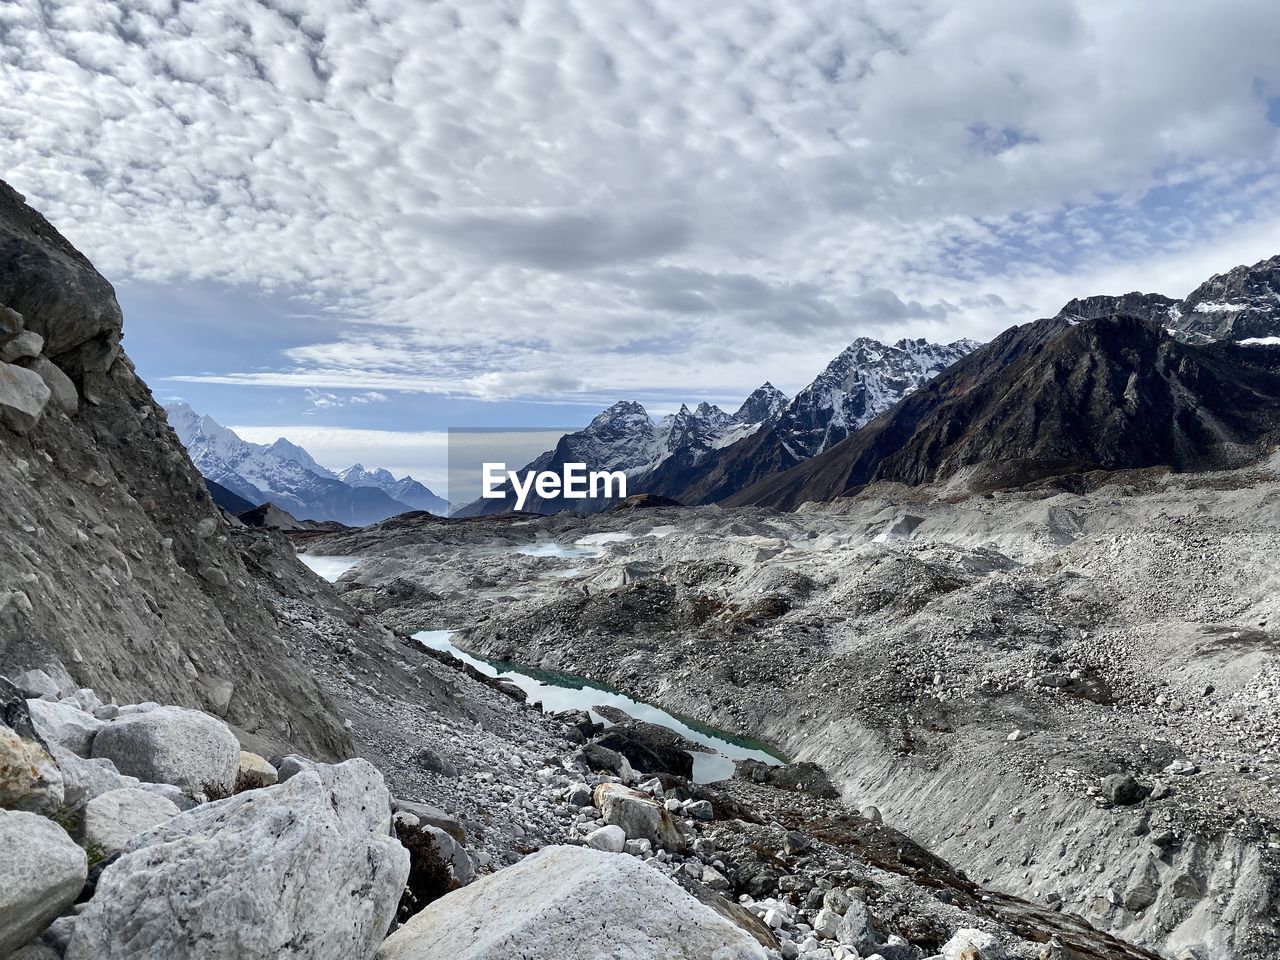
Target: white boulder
(973,944)
(186,748)
(571,903)
(304,869)
(114,818)
(610,839)
(41,873)
(64,723)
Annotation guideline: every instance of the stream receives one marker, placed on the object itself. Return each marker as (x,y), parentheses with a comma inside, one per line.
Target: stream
(563,691)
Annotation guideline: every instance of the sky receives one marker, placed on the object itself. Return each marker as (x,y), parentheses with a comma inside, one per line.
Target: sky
(358,224)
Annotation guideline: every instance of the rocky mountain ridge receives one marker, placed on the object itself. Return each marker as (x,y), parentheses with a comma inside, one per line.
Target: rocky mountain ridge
(406,490)
(1056,397)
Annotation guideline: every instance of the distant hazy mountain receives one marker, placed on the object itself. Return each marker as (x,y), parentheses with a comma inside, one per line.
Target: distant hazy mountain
(406,490)
(281,473)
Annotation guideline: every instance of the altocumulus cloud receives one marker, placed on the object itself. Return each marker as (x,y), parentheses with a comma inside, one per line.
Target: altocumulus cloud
(539,197)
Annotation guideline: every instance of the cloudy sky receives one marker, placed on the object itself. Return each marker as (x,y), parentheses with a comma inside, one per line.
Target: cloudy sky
(330,218)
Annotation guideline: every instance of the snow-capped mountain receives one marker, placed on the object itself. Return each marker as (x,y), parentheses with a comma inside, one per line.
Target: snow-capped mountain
(281,473)
(865,380)
(625,437)
(1241,304)
(406,490)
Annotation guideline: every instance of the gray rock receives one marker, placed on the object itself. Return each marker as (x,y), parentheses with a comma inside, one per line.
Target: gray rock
(602,758)
(26,344)
(172,745)
(23,397)
(700,810)
(304,869)
(83,779)
(855,928)
(1123,790)
(64,724)
(435,817)
(36,684)
(114,818)
(578,795)
(29,778)
(972,944)
(41,873)
(62,391)
(10,324)
(571,903)
(453,853)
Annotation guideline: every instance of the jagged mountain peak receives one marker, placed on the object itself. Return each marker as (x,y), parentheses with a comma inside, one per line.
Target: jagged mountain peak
(764,403)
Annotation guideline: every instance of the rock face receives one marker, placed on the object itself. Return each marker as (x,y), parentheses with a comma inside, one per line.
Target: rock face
(303,869)
(570,903)
(1241,304)
(186,748)
(1056,397)
(50,283)
(115,817)
(118,504)
(41,872)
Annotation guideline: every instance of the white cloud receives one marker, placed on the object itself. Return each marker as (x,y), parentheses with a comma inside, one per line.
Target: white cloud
(601,199)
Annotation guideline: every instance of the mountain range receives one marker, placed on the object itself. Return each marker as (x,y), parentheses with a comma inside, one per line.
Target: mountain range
(704,454)
(1110,382)
(625,437)
(284,474)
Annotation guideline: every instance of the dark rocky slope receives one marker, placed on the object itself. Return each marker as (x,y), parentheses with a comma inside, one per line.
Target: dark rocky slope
(1056,397)
(113,558)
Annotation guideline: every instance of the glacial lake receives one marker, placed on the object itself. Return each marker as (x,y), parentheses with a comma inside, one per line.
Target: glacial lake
(560,691)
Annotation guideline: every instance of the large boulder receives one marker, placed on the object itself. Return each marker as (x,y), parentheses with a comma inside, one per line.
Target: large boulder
(23,397)
(41,872)
(638,815)
(186,748)
(65,724)
(570,903)
(304,869)
(29,779)
(52,285)
(114,818)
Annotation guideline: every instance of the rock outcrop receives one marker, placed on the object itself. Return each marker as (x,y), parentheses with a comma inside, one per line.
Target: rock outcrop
(113,559)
